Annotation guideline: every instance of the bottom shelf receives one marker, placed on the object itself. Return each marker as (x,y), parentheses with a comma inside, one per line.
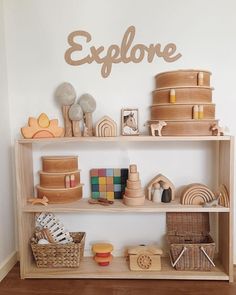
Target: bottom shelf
(119,269)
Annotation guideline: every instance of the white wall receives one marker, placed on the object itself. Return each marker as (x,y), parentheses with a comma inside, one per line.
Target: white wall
(7,228)
(36,40)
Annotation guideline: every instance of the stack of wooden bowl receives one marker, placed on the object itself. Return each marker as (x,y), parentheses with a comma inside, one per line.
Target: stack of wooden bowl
(102,253)
(60,179)
(183,99)
(134,193)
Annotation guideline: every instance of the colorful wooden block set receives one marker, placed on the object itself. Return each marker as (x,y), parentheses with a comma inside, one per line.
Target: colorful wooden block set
(108,183)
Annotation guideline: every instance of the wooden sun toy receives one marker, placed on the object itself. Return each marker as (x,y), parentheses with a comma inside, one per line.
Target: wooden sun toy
(42,127)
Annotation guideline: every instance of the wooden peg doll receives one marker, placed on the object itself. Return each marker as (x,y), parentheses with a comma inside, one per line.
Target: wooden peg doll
(157,193)
(166,194)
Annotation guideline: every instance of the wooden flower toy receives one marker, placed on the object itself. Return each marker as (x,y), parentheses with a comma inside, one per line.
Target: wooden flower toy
(42,127)
(103,253)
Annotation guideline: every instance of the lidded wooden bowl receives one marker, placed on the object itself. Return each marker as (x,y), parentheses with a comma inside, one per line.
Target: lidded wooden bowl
(183,78)
(59,163)
(184,94)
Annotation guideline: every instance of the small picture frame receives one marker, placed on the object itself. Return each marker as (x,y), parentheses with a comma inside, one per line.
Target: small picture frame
(129,122)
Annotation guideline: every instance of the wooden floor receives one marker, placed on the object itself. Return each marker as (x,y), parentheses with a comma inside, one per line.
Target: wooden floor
(12,284)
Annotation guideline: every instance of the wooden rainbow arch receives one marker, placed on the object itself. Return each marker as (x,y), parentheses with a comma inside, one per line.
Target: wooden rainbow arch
(106,127)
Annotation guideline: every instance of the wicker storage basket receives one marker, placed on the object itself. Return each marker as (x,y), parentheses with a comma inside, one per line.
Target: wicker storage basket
(191,246)
(60,255)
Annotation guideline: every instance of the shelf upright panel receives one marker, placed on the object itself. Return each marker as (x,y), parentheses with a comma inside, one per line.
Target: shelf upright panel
(25,189)
(226,177)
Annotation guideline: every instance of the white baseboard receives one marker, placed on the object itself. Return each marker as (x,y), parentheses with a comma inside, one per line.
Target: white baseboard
(7,265)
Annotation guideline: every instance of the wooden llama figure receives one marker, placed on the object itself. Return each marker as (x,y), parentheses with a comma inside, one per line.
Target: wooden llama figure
(157,127)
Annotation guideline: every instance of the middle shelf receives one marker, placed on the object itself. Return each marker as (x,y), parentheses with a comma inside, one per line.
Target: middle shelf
(119,207)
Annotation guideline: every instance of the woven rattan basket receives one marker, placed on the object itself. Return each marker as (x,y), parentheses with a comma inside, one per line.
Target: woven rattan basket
(191,246)
(60,255)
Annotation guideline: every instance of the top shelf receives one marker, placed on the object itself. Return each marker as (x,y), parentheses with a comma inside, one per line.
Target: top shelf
(140,138)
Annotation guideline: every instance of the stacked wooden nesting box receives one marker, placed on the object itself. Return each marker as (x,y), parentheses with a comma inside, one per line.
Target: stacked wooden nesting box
(134,193)
(183,99)
(60,179)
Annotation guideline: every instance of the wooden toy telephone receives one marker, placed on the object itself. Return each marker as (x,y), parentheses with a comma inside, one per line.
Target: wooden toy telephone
(52,229)
(145,258)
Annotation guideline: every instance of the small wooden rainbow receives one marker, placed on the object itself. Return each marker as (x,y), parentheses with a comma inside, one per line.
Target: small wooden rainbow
(106,127)
(223,196)
(196,194)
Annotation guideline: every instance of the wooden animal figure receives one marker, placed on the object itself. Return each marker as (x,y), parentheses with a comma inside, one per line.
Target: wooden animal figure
(217,130)
(212,203)
(157,127)
(130,125)
(36,201)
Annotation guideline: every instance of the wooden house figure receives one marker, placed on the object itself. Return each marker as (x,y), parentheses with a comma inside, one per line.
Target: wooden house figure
(145,258)
(106,127)
(163,181)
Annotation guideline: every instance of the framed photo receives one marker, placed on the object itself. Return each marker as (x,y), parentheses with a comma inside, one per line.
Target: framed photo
(129,122)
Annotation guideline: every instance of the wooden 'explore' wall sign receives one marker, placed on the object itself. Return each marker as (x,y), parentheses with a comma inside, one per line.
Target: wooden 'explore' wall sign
(127,52)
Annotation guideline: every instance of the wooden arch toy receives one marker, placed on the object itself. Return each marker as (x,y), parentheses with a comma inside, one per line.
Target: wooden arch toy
(197,194)
(160,179)
(106,127)
(223,196)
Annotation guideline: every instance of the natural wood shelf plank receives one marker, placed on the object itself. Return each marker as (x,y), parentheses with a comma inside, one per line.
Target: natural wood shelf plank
(119,269)
(119,207)
(144,138)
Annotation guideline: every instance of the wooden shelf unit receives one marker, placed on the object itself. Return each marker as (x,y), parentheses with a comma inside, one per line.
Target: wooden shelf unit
(119,267)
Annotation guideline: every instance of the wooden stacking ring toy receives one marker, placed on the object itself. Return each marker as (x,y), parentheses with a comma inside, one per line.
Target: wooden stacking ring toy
(102,253)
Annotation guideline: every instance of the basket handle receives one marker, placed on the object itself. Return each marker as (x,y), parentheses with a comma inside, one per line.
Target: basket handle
(207,256)
(173,263)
